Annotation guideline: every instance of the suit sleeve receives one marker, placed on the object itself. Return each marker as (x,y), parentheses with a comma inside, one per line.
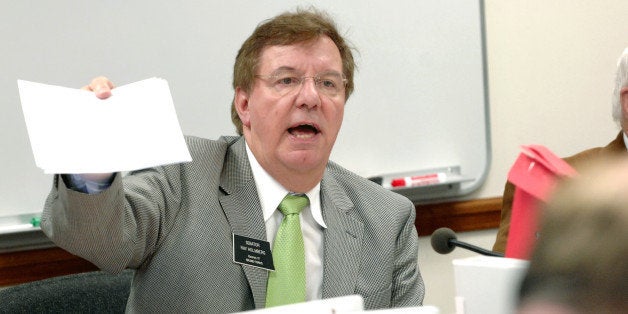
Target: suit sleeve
(407,287)
(504,224)
(118,228)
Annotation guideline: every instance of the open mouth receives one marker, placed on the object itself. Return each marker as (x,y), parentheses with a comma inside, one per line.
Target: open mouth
(304,131)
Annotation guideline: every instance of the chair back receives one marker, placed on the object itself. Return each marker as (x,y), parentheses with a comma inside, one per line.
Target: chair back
(90,292)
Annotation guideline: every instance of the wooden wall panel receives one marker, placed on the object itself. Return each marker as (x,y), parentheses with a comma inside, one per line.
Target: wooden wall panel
(24,266)
(459,216)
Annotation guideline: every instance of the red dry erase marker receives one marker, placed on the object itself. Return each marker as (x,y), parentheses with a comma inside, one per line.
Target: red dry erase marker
(418,180)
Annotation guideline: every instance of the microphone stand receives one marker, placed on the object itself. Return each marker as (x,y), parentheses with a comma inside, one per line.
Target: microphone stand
(474,248)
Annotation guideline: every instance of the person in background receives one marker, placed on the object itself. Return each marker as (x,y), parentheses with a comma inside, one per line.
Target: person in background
(618,146)
(176,224)
(580,261)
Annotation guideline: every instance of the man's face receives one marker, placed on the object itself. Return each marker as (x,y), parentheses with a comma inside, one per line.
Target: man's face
(291,130)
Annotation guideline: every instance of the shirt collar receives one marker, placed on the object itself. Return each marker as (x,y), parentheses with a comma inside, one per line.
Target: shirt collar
(271,192)
(625,139)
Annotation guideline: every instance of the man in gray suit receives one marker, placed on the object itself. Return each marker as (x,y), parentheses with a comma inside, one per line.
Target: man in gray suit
(177,225)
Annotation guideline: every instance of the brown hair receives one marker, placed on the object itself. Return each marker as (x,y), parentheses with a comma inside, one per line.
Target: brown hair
(286,29)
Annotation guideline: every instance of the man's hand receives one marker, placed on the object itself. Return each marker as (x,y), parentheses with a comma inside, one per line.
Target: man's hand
(101,86)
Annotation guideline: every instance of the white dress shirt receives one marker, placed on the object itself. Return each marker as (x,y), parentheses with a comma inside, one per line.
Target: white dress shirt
(270,194)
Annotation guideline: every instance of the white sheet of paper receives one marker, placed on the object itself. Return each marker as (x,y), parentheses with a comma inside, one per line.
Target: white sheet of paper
(349,304)
(72,131)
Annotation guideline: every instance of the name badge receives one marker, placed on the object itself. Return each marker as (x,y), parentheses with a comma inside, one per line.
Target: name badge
(252,252)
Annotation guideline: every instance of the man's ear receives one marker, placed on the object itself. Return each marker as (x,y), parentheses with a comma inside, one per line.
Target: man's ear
(241,102)
(623,98)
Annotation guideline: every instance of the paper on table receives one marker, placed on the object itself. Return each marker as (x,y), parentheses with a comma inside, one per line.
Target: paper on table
(72,131)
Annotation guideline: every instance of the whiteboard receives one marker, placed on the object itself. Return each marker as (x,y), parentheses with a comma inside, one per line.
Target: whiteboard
(420,100)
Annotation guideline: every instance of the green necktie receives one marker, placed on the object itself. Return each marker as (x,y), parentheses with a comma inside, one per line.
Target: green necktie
(286,285)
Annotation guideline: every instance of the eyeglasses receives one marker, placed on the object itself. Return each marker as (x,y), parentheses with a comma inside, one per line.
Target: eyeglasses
(286,82)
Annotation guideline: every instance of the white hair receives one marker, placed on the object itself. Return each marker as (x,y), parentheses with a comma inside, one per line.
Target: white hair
(621,81)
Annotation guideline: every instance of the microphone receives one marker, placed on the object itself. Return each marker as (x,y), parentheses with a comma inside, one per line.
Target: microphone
(444,241)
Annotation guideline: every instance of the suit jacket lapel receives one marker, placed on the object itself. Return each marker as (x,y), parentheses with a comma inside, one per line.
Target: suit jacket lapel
(342,240)
(243,210)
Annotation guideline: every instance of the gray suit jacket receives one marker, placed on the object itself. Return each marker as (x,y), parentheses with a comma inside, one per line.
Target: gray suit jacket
(174,225)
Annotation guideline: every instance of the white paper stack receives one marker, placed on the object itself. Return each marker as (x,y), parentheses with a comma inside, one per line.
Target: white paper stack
(72,131)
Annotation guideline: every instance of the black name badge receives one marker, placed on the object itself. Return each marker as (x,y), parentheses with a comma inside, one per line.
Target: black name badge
(253,252)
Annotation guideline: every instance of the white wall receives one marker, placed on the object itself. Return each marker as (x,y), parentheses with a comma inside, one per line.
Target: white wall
(551,67)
